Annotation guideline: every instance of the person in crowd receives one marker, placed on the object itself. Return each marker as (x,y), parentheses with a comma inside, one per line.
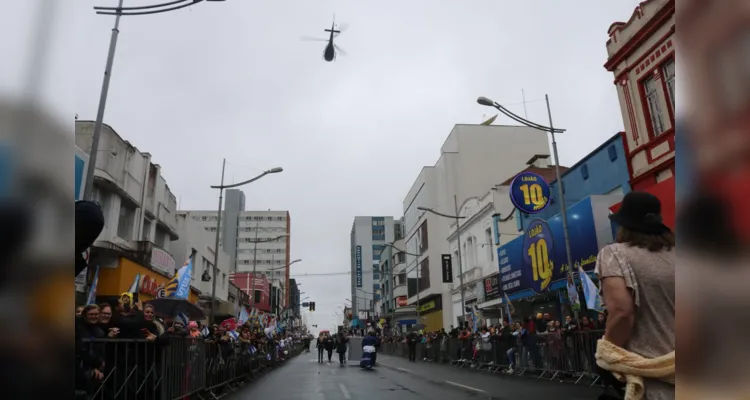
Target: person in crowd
(637,275)
(341,345)
(105,321)
(89,359)
(601,321)
(79,310)
(194,331)
(516,332)
(411,342)
(321,347)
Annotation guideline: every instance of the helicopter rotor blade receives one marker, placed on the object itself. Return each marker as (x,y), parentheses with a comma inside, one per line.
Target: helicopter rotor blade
(340,50)
(312,39)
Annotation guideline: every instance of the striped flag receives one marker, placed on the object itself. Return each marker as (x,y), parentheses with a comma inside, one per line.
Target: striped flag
(182,318)
(91,299)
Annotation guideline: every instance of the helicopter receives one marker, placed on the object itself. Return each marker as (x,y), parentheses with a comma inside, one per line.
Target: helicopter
(329,54)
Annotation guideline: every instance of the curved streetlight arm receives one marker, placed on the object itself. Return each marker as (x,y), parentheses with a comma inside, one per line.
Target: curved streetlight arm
(440,214)
(151,9)
(270,171)
(527,122)
(284,267)
(489,103)
(401,251)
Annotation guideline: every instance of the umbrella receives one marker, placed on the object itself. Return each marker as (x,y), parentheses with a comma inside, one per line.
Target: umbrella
(169,308)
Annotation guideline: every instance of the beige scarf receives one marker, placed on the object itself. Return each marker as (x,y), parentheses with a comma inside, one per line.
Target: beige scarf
(632,368)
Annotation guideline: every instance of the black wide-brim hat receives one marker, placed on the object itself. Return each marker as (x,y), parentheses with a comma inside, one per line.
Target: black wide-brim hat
(640,212)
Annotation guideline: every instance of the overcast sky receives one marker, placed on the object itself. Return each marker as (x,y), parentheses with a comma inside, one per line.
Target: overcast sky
(233,80)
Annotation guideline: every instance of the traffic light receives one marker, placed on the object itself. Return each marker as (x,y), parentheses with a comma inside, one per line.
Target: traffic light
(312,306)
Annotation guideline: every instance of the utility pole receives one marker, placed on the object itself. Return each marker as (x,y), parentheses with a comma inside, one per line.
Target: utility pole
(460,264)
(216,246)
(255,262)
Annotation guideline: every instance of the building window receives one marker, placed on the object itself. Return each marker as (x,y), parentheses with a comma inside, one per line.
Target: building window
(668,74)
(424,274)
(488,244)
(423,240)
(279,218)
(612,153)
(650,86)
(125,221)
(585,171)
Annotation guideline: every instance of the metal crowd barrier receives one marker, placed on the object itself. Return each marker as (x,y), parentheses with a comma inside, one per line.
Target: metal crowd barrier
(176,368)
(565,356)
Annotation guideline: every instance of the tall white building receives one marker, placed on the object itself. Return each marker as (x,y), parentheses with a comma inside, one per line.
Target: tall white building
(368,238)
(473,159)
(261,245)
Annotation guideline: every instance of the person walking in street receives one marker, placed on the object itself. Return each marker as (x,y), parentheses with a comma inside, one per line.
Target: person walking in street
(320,346)
(637,275)
(341,345)
(328,345)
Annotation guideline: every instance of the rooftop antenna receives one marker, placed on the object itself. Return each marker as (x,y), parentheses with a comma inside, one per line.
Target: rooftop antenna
(523,97)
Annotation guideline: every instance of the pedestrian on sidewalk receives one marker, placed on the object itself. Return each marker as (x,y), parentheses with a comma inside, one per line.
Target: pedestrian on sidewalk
(341,345)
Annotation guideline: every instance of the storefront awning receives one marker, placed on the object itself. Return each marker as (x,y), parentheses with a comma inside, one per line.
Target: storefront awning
(490,304)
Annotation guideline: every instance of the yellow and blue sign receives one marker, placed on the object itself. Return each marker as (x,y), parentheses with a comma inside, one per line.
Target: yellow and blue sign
(537,262)
(538,254)
(529,192)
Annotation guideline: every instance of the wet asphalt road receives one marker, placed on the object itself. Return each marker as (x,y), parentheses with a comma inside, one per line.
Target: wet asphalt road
(396,378)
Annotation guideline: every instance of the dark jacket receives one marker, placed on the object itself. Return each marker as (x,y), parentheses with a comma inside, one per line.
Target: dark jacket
(341,344)
(328,344)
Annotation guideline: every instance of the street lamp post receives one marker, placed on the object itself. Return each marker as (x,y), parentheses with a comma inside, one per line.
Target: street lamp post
(118,12)
(221,188)
(458,219)
(552,130)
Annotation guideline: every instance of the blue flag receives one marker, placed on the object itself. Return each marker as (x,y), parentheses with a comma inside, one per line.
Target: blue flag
(179,286)
(91,299)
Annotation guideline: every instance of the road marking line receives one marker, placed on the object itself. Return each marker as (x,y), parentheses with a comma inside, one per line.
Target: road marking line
(344,391)
(404,370)
(333,372)
(464,386)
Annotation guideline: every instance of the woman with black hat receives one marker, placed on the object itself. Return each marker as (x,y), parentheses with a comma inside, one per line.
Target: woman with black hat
(637,275)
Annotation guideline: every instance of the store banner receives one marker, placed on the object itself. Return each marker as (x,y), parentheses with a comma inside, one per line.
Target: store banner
(358,265)
(492,287)
(447,264)
(537,262)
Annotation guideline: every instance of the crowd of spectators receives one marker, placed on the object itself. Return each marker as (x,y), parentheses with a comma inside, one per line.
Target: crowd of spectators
(97,358)
(538,342)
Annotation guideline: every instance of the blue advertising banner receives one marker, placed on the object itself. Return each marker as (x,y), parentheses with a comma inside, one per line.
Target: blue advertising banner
(358,265)
(529,192)
(536,262)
